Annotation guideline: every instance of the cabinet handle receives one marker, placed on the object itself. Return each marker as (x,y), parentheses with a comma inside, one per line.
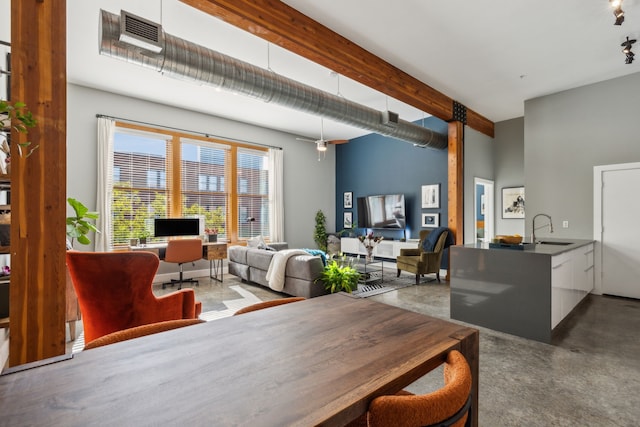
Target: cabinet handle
(557,266)
(588,268)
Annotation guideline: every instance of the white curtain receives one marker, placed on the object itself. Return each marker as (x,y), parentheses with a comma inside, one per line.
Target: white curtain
(104,192)
(276,194)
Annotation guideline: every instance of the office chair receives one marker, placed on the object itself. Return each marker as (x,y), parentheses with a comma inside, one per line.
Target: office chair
(180,251)
(447,406)
(114,292)
(267,304)
(140,331)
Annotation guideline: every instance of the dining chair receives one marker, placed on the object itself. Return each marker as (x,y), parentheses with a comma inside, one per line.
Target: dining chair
(447,406)
(114,291)
(180,251)
(140,331)
(267,304)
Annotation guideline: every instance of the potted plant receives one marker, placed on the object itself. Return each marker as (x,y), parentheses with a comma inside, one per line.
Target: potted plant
(16,116)
(320,231)
(212,234)
(144,235)
(339,276)
(79,226)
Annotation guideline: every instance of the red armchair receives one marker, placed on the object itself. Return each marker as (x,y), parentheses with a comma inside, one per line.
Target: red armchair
(114,292)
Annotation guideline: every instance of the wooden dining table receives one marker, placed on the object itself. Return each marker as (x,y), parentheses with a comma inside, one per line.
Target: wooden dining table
(315,362)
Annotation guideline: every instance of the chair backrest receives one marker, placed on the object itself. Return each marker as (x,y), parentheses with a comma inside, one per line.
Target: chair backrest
(183,250)
(140,331)
(439,246)
(266,304)
(114,289)
(431,408)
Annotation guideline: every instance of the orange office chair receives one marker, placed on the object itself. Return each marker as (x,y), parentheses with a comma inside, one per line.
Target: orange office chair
(180,251)
(114,292)
(448,406)
(267,304)
(140,331)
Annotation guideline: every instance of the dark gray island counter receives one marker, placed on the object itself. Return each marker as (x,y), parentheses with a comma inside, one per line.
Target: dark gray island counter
(521,292)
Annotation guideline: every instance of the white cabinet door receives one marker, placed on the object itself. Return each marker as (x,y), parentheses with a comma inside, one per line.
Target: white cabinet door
(561,287)
(351,245)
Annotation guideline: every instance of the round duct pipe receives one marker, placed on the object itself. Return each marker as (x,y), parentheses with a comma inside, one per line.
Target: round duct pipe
(189,61)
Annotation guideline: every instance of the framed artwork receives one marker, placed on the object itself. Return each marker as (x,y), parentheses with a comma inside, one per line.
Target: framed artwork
(430,220)
(430,196)
(513,202)
(347,220)
(348,199)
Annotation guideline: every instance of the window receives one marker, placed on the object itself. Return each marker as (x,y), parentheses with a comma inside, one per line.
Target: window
(159,173)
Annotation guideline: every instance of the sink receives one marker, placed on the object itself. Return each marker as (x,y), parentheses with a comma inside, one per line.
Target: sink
(544,242)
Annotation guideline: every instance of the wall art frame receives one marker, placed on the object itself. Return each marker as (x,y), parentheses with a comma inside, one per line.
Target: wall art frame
(430,220)
(513,202)
(431,196)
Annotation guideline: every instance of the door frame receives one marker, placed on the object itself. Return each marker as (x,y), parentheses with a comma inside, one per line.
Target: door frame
(489,215)
(598,172)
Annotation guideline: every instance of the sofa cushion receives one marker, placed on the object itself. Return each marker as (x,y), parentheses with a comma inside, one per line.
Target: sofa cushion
(238,254)
(307,267)
(259,258)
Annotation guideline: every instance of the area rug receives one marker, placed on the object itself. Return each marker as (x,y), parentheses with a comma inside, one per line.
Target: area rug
(381,288)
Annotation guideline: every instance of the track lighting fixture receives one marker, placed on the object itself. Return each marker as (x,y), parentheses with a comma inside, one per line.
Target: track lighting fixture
(617,11)
(626,49)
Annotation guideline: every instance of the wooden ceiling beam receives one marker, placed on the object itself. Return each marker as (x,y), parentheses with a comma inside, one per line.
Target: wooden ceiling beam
(284,26)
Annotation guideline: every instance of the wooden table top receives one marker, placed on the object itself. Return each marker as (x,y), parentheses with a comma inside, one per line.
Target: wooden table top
(314,362)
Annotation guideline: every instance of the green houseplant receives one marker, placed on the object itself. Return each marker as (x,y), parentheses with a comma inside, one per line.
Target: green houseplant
(320,231)
(339,276)
(79,226)
(19,118)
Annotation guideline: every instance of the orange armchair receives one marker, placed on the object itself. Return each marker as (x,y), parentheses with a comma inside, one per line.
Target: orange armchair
(267,304)
(114,292)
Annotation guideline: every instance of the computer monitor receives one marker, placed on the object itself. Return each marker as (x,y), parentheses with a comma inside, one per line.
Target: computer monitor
(166,227)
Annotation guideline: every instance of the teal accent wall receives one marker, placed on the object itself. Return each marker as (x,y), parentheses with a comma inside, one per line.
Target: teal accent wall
(375,164)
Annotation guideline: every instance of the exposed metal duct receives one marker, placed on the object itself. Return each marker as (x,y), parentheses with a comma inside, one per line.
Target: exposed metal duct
(184,60)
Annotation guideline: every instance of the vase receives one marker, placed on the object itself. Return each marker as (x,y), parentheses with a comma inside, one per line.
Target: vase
(369,256)
(213,238)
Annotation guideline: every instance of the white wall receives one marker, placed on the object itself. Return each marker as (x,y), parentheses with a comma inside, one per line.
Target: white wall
(309,184)
(509,171)
(568,133)
(478,163)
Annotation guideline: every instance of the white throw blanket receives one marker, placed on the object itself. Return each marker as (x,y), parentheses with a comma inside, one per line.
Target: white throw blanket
(278,265)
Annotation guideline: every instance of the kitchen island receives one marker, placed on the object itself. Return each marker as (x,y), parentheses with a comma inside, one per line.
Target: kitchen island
(522,292)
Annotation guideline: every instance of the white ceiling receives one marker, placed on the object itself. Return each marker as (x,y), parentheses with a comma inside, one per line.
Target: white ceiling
(490,55)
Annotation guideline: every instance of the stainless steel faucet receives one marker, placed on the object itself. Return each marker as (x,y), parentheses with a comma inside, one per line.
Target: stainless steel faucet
(533,230)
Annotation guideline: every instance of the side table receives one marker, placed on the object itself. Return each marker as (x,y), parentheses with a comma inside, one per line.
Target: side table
(215,252)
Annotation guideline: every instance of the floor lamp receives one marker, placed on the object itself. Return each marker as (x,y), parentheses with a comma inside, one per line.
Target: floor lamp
(250,220)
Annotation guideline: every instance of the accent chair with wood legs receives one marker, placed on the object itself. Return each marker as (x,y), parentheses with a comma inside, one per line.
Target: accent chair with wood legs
(421,262)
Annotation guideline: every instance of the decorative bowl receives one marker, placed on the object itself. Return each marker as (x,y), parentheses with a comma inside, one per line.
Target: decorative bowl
(511,240)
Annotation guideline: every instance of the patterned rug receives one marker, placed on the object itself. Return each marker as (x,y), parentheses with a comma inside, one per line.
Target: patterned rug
(377,289)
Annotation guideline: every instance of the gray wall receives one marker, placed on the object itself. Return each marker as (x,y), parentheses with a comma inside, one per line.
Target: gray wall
(509,171)
(567,134)
(309,184)
(478,163)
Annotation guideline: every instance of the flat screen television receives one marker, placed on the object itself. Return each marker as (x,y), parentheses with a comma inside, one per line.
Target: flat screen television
(166,227)
(383,211)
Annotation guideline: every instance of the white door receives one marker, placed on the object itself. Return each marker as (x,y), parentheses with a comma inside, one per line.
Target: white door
(483,209)
(621,232)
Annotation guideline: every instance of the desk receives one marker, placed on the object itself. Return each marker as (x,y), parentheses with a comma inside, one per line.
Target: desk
(318,361)
(214,252)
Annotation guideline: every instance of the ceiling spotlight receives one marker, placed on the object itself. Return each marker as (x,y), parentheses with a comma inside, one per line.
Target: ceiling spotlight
(617,11)
(626,49)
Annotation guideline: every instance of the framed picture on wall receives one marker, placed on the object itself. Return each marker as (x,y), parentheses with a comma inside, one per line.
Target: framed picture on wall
(347,221)
(430,220)
(513,202)
(430,196)
(348,199)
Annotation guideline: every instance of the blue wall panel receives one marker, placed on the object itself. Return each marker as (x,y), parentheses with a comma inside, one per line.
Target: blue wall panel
(375,164)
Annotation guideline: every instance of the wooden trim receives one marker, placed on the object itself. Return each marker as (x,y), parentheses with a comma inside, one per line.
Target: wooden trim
(456,181)
(284,26)
(37,302)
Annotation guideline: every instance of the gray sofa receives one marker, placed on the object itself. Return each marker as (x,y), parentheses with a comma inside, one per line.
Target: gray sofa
(252,264)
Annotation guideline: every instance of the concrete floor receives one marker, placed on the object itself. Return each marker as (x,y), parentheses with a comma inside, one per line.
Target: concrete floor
(589,376)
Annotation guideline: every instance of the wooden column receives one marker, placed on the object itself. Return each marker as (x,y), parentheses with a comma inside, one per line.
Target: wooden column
(455,193)
(38,192)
